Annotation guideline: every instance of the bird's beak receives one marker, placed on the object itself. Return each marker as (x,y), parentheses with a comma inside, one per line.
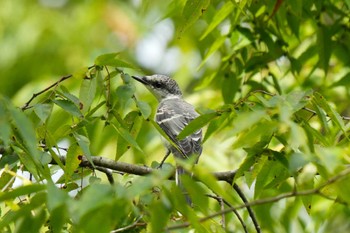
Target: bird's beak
(140,79)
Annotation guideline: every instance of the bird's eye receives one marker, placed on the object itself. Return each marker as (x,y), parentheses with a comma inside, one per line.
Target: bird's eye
(158,85)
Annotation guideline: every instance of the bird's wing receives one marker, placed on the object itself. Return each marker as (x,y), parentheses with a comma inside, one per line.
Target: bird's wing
(172,116)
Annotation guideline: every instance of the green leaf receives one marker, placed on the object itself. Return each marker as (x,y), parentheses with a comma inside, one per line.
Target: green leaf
(215,124)
(262,171)
(110,59)
(161,131)
(72,161)
(197,124)
(230,86)
(133,122)
(127,136)
(145,109)
(343,81)
(213,48)
(324,45)
(43,111)
(95,196)
(84,144)
(246,120)
(219,16)
(5,127)
(335,117)
(20,191)
(192,11)
(87,93)
(25,212)
(69,107)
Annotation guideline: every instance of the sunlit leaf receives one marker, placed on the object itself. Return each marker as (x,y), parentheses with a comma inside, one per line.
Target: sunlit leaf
(84,144)
(191,12)
(219,16)
(72,161)
(87,93)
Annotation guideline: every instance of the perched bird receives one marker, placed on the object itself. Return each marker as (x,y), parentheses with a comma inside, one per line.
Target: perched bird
(173,114)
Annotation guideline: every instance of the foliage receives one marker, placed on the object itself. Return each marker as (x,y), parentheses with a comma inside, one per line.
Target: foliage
(270,81)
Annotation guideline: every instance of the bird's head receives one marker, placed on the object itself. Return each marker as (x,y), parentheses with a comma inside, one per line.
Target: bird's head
(161,86)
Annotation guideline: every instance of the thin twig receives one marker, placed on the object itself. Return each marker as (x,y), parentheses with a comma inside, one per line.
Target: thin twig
(108,173)
(250,211)
(317,191)
(220,199)
(134,224)
(135,169)
(26,105)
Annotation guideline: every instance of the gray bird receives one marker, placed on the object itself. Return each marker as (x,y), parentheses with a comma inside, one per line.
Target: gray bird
(173,114)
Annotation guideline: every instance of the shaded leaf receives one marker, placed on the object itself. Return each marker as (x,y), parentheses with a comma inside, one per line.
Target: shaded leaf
(324,45)
(43,111)
(20,191)
(145,109)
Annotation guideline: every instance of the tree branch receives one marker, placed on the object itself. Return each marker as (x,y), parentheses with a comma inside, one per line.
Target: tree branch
(106,163)
(317,191)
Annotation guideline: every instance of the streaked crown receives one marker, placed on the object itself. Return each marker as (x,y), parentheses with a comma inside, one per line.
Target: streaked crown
(160,85)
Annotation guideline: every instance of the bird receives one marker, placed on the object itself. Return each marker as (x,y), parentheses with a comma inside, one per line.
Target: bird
(172,115)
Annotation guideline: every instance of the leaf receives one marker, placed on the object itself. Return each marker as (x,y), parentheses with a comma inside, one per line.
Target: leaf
(262,170)
(87,93)
(197,124)
(213,48)
(127,136)
(20,191)
(215,124)
(324,45)
(192,11)
(335,117)
(230,86)
(97,195)
(144,108)
(219,16)
(110,59)
(69,107)
(124,93)
(72,161)
(343,81)
(84,144)
(246,120)
(133,122)
(5,127)
(43,111)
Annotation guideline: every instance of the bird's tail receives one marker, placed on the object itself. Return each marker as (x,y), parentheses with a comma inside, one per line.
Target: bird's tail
(179,172)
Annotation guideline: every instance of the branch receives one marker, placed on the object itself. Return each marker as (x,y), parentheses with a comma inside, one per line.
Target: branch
(135,169)
(219,199)
(250,211)
(26,105)
(317,191)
